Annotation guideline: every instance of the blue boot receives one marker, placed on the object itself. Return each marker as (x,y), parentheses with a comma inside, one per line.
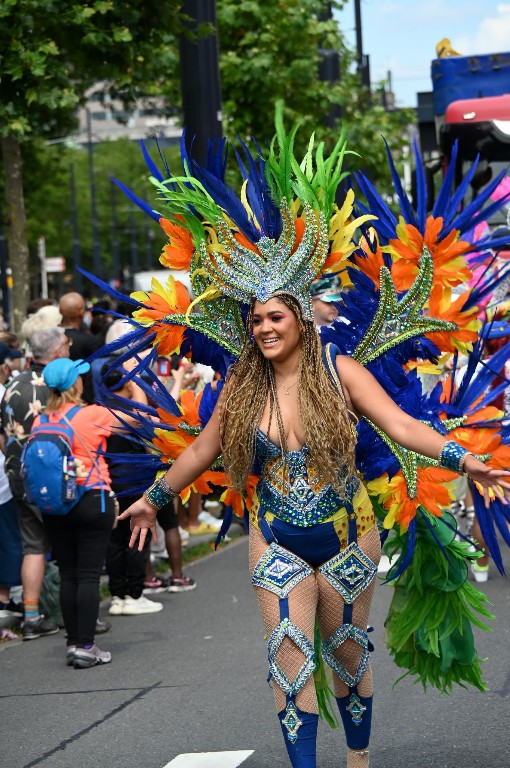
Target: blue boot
(356,714)
(300,734)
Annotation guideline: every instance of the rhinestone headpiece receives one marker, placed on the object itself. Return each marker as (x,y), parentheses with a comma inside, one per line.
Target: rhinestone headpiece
(280,265)
(272,239)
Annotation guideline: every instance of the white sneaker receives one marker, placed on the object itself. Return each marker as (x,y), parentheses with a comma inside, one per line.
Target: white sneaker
(134,607)
(480,572)
(215,506)
(206,517)
(117,606)
(184,534)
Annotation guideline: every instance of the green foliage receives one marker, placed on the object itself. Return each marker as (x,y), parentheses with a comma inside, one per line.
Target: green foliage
(47,174)
(52,51)
(269,51)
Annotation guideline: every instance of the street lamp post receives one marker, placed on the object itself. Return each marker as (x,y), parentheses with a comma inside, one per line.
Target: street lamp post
(200,80)
(115,237)
(329,70)
(363,59)
(96,253)
(76,240)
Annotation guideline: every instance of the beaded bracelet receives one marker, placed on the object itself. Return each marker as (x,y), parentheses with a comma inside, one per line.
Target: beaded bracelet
(160,493)
(452,456)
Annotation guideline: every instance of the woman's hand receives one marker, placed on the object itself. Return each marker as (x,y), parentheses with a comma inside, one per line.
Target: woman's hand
(491,483)
(143,520)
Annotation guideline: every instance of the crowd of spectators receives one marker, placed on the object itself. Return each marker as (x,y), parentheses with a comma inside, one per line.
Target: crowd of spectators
(42,372)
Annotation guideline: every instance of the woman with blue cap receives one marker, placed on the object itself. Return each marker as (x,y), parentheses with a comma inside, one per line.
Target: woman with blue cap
(80,538)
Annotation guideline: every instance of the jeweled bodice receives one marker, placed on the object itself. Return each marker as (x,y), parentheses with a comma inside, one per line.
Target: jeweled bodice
(300,495)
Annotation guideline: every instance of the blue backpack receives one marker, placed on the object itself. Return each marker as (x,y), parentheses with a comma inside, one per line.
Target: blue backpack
(48,469)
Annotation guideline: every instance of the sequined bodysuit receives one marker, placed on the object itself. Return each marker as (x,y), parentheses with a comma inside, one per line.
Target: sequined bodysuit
(297,495)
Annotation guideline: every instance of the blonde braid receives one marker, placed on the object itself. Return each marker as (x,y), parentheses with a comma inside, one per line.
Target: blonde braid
(324,417)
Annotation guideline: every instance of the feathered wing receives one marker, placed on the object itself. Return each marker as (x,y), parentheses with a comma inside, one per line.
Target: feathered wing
(411,297)
(411,300)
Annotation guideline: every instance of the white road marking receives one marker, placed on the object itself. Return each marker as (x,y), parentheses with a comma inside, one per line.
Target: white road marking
(210,759)
(384,565)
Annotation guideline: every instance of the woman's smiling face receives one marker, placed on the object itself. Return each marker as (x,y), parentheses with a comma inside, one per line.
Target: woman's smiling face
(276,329)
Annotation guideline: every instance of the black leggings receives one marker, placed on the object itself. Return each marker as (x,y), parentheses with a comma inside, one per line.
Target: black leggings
(125,565)
(79,541)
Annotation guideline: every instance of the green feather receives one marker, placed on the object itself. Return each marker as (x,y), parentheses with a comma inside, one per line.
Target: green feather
(434,607)
(325,696)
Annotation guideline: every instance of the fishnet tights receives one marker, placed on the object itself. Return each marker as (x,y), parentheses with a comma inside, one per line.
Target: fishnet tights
(302,609)
(329,613)
(314,595)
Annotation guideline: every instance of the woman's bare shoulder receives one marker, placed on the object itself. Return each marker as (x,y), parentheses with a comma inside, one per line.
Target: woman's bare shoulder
(347,365)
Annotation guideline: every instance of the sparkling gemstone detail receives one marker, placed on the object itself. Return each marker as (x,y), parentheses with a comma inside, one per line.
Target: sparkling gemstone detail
(279,570)
(350,572)
(308,497)
(291,721)
(397,320)
(346,632)
(356,708)
(287,628)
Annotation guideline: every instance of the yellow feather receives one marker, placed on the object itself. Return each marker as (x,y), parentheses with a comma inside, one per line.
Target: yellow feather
(210,293)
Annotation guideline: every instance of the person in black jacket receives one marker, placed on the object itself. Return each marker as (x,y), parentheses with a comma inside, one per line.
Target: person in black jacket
(126,567)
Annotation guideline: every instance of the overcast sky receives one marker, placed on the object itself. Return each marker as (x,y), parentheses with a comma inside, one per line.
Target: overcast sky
(401,36)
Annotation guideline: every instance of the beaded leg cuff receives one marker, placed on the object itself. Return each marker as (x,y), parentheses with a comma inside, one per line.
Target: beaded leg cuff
(279,571)
(356,714)
(300,734)
(349,573)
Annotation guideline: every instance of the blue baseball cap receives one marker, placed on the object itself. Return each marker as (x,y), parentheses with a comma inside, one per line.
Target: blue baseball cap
(498,330)
(62,373)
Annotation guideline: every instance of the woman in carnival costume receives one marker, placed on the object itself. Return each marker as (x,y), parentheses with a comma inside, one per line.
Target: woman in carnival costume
(308,443)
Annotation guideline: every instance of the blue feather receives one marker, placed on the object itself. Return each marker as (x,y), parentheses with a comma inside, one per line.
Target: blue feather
(386,222)
(465,219)
(457,198)
(487,529)
(151,165)
(406,556)
(208,402)
(405,204)
(109,290)
(443,196)
(421,189)
(225,525)
(142,204)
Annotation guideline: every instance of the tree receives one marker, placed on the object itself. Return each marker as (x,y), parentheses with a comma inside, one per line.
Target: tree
(47,177)
(269,50)
(51,52)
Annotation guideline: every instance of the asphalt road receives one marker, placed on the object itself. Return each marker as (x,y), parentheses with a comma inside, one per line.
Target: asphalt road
(192,679)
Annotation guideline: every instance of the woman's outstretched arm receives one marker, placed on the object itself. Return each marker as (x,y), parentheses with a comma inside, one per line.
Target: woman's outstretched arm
(367,398)
(198,457)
